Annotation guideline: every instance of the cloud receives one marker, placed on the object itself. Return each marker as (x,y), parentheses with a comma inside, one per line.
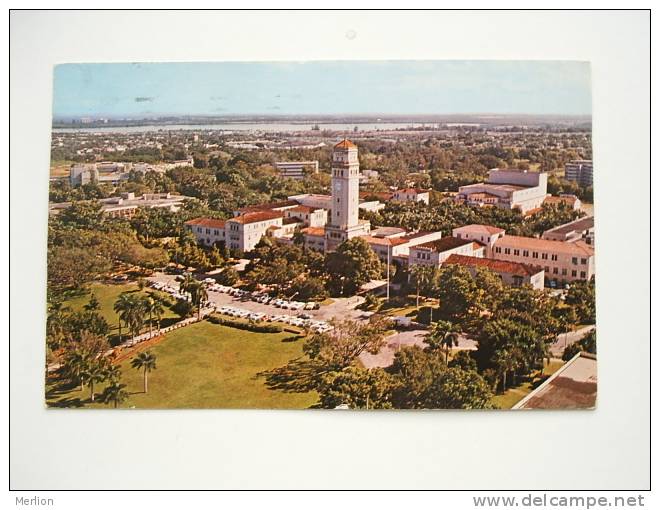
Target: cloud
(143,99)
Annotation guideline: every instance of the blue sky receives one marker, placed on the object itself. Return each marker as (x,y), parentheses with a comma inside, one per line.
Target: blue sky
(387,87)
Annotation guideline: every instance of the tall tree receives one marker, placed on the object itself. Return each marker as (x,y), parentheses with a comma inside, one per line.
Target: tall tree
(443,335)
(145,361)
(352,265)
(114,394)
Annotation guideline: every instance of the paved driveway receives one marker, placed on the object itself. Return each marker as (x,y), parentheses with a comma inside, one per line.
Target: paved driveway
(564,340)
(340,308)
(404,338)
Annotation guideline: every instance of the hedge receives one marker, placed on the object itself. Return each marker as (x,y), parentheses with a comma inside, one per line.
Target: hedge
(249,326)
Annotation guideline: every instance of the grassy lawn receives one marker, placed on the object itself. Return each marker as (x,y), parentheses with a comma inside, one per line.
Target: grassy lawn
(513,395)
(207,366)
(107,294)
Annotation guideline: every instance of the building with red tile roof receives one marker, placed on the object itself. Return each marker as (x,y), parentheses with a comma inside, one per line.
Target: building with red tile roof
(434,253)
(512,273)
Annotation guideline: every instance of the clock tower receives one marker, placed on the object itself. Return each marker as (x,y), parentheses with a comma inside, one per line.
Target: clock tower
(343,222)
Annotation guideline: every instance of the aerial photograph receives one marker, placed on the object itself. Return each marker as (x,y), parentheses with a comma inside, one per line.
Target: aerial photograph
(344,235)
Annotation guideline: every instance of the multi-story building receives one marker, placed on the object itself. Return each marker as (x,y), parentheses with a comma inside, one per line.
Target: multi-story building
(580,171)
(343,223)
(508,189)
(562,261)
(296,169)
(393,244)
(483,234)
(580,229)
(207,231)
(436,252)
(412,195)
(309,216)
(241,233)
(564,198)
(127,204)
(81,174)
(514,274)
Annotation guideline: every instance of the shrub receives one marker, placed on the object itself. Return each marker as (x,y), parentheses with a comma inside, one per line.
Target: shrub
(249,326)
(183,308)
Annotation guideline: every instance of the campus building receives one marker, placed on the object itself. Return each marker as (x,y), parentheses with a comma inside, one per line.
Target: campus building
(483,234)
(562,261)
(296,169)
(344,223)
(580,171)
(508,189)
(412,195)
(582,229)
(573,386)
(514,274)
(126,205)
(435,253)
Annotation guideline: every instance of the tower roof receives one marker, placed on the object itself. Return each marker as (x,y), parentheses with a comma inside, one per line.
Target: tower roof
(345,144)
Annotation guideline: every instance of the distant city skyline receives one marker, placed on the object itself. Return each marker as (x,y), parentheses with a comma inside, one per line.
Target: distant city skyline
(323,88)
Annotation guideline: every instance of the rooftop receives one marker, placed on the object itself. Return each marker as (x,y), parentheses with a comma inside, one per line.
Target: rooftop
(385,241)
(574,226)
(578,248)
(444,244)
(268,206)
(387,231)
(314,231)
(573,386)
(206,222)
(568,199)
(256,217)
(345,144)
(412,190)
(479,229)
(499,266)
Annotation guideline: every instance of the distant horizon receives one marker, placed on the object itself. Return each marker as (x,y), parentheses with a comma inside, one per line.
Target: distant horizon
(385,88)
(320,116)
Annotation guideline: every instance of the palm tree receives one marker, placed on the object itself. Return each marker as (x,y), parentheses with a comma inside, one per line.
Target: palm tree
(188,284)
(113,373)
(114,393)
(201,296)
(443,335)
(93,304)
(56,323)
(131,312)
(145,361)
(149,306)
(155,309)
(122,308)
(95,373)
(505,364)
(76,364)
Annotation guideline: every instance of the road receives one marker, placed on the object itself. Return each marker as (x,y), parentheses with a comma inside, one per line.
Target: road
(407,338)
(566,339)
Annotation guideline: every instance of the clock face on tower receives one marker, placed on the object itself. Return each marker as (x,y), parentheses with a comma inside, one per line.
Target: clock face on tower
(337,186)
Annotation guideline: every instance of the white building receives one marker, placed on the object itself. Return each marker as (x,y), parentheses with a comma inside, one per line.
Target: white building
(508,189)
(296,169)
(412,195)
(580,171)
(344,223)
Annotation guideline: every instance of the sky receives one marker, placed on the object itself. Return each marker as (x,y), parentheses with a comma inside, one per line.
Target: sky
(342,87)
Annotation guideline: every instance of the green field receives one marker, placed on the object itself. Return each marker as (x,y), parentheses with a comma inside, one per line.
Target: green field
(107,294)
(206,366)
(515,394)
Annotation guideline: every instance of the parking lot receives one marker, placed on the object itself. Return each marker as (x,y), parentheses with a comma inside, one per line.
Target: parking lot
(287,312)
(340,308)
